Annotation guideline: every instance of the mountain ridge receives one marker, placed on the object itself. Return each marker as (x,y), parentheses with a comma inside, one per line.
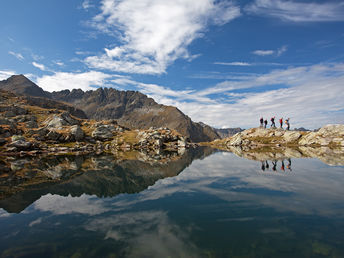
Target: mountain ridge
(131,109)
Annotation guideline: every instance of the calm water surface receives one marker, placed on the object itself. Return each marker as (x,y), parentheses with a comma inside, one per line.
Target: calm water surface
(205,205)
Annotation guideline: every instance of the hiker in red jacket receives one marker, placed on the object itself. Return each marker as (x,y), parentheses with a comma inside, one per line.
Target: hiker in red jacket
(281,122)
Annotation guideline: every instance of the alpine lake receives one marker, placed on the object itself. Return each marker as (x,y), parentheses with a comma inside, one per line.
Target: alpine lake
(199,203)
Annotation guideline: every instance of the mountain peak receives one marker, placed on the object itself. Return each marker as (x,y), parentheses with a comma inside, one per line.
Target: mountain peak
(20,84)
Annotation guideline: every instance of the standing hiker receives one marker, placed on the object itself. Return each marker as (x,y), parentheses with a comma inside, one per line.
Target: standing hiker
(289,164)
(287,123)
(273,122)
(281,122)
(265,123)
(282,165)
(261,122)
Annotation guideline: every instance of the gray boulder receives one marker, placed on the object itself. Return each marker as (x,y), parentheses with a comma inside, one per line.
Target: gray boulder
(57,121)
(77,133)
(103,132)
(291,136)
(21,144)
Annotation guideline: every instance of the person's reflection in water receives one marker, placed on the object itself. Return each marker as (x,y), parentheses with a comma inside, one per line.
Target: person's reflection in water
(289,164)
(263,166)
(267,164)
(282,166)
(274,164)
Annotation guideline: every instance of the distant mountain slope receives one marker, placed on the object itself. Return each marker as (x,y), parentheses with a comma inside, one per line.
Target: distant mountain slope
(224,132)
(131,108)
(227,132)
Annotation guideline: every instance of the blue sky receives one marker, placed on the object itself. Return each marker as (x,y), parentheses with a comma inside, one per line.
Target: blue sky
(225,63)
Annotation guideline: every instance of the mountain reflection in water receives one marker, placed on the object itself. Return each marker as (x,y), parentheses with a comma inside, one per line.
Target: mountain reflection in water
(218,205)
(102,175)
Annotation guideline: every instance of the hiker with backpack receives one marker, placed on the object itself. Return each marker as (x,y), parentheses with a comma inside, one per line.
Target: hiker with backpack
(287,123)
(281,122)
(261,122)
(273,122)
(265,123)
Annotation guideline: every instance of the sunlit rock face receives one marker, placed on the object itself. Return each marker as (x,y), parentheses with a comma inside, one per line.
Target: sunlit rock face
(329,135)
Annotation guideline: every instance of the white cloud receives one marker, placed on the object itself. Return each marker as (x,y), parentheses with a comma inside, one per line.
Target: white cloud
(87,4)
(233,63)
(5,74)
(59,205)
(39,66)
(298,11)
(16,55)
(281,50)
(146,234)
(59,63)
(263,52)
(301,96)
(36,57)
(276,52)
(62,80)
(154,33)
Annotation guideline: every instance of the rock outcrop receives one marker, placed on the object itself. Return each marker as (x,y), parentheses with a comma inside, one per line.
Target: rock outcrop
(33,130)
(329,135)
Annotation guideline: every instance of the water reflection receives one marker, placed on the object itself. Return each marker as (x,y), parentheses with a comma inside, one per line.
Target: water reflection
(265,166)
(26,180)
(330,156)
(219,205)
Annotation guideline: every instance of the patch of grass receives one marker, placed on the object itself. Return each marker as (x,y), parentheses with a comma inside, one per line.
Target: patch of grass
(267,140)
(130,137)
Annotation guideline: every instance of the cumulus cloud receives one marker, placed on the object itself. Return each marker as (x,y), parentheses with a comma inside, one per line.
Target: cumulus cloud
(16,55)
(62,80)
(154,33)
(300,95)
(39,66)
(293,11)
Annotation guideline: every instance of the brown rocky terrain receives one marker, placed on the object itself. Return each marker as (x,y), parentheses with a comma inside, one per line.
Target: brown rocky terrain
(27,128)
(329,135)
(131,109)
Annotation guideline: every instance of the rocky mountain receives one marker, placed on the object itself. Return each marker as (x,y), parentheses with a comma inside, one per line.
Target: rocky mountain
(21,85)
(131,109)
(228,132)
